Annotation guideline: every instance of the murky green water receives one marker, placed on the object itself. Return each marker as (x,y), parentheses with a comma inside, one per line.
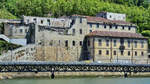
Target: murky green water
(97,80)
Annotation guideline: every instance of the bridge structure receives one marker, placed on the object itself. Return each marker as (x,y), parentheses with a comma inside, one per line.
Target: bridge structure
(71,67)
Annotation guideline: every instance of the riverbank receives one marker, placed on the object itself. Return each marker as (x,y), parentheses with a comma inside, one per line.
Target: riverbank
(70,74)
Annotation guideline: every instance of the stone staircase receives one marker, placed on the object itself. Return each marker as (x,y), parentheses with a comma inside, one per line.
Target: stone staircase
(25,53)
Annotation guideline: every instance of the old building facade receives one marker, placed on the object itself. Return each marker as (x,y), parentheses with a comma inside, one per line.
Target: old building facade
(116,46)
(73,33)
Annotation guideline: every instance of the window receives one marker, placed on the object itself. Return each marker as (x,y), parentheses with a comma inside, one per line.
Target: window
(116,27)
(80,31)
(90,31)
(91,25)
(35,20)
(110,26)
(129,28)
(135,53)
(80,20)
(80,43)
(66,43)
(142,44)
(21,30)
(135,44)
(48,21)
(73,31)
(100,52)
(107,42)
(114,43)
(129,43)
(88,43)
(114,52)
(122,42)
(122,27)
(110,16)
(99,42)
(128,53)
(107,52)
(26,30)
(142,53)
(73,43)
(121,52)
(97,25)
(105,26)
(41,21)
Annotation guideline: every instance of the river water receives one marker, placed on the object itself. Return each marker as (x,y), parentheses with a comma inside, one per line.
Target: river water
(97,80)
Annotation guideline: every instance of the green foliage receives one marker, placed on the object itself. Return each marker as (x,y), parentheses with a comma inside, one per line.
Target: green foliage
(137,11)
(4,14)
(5,46)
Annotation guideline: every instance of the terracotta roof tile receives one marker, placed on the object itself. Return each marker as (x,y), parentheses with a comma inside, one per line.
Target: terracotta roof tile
(116,34)
(100,19)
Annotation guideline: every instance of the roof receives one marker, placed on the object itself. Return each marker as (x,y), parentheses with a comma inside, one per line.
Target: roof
(100,19)
(103,20)
(116,34)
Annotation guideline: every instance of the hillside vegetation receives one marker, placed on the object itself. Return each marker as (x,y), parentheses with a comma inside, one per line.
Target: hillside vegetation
(137,11)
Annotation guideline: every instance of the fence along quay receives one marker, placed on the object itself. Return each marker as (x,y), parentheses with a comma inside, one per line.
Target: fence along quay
(72,67)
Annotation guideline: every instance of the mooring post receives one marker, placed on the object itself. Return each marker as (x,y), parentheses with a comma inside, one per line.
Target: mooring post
(125,75)
(52,75)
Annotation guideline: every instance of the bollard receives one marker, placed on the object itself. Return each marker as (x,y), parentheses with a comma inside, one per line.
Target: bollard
(125,75)
(52,75)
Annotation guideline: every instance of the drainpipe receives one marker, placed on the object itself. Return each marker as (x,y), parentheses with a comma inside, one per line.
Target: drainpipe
(111,50)
(93,49)
(132,53)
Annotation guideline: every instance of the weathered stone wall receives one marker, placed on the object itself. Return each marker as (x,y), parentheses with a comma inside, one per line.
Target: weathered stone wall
(52,53)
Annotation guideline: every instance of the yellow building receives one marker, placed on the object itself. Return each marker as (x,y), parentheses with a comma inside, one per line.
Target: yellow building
(113,46)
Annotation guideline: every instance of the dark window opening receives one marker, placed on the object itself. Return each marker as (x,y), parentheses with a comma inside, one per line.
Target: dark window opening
(48,21)
(107,52)
(128,53)
(122,52)
(90,31)
(80,43)
(66,43)
(80,31)
(100,52)
(80,20)
(26,30)
(41,21)
(91,25)
(135,53)
(73,43)
(114,52)
(110,26)
(122,27)
(129,28)
(99,42)
(21,30)
(104,26)
(35,20)
(142,53)
(107,42)
(115,43)
(122,42)
(73,31)
(116,27)
(97,25)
